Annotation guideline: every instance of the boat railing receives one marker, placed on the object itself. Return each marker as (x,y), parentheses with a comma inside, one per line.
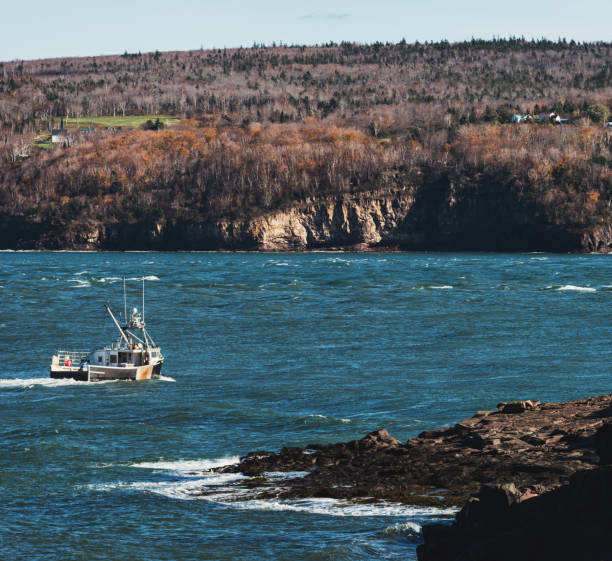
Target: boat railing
(74,356)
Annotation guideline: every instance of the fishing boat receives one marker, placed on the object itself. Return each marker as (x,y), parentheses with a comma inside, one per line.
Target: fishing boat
(131,357)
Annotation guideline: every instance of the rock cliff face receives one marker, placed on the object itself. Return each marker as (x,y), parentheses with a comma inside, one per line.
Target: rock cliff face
(571,522)
(367,219)
(442,216)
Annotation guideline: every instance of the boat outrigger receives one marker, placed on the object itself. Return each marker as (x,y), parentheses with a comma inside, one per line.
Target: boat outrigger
(130,358)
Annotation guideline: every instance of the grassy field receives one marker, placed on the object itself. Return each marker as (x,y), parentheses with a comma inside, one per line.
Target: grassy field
(131,121)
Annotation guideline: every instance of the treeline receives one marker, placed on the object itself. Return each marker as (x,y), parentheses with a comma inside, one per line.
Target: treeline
(352,83)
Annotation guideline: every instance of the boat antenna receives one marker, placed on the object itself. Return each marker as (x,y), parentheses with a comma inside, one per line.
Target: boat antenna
(143,321)
(124,304)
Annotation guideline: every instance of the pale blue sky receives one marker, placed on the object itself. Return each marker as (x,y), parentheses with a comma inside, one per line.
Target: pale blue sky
(43,28)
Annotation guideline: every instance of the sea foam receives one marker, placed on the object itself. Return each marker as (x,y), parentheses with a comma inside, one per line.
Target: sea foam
(188,466)
(47,382)
(577,288)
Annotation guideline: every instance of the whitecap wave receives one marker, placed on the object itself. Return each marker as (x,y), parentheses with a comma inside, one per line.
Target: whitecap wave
(440,286)
(183,490)
(577,288)
(188,466)
(403,528)
(80,283)
(318,418)
(110,280)
(166,378)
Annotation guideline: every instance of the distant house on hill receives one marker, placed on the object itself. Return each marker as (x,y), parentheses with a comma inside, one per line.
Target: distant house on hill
(550,118)
(59,136)
(520,118)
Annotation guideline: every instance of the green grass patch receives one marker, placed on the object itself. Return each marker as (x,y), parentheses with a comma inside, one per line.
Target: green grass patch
(130,121)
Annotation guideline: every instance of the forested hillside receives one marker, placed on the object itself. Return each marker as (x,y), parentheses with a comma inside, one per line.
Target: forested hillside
(256,131)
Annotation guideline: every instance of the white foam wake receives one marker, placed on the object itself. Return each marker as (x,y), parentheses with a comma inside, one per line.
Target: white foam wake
(47,382)
(225,489)
(183,490)
(228,489)
(166,378)
(188,466)
(332,507)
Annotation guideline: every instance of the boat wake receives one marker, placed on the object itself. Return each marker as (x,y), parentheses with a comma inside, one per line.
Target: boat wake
(58,382)
(44,382)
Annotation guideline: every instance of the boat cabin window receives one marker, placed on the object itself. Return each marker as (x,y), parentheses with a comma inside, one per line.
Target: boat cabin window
(99,358)
(113,358)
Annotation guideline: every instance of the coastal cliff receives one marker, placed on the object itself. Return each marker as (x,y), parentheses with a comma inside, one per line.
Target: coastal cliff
(444,216)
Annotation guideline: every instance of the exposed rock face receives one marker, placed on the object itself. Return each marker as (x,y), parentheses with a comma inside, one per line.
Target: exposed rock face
(359,219)
(528,444)
(572,522)
(438,216)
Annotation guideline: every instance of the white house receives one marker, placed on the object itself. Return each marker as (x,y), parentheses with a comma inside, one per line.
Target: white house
(60,136)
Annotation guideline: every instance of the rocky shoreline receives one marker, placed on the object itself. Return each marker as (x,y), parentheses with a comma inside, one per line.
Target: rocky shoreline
(525,466)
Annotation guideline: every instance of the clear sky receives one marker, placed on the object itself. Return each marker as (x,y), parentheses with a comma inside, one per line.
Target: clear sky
(32,29)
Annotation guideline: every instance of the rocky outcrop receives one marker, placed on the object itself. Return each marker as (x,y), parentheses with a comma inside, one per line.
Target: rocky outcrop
(532,445)
(572,522)
(366,219)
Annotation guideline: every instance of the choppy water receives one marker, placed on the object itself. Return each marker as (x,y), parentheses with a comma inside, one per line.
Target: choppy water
(262,351)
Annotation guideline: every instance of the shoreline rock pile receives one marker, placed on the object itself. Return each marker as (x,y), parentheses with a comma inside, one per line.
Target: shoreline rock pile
(533,445)
(532,478)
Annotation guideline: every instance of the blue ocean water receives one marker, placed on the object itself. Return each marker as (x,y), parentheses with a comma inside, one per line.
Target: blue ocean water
(264,351)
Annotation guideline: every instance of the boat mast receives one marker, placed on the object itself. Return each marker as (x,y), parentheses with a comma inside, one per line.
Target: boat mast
(124,304)
(123,335)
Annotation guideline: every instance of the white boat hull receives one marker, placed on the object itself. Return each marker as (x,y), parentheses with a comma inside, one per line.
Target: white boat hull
(104,373)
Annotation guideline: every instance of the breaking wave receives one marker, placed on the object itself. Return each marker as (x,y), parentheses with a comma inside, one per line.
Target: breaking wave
(188,466)
(317,418)
(228,489)
(577,288)
(411,529)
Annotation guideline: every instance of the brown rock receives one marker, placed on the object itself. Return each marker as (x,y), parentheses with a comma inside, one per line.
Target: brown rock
(538,448)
